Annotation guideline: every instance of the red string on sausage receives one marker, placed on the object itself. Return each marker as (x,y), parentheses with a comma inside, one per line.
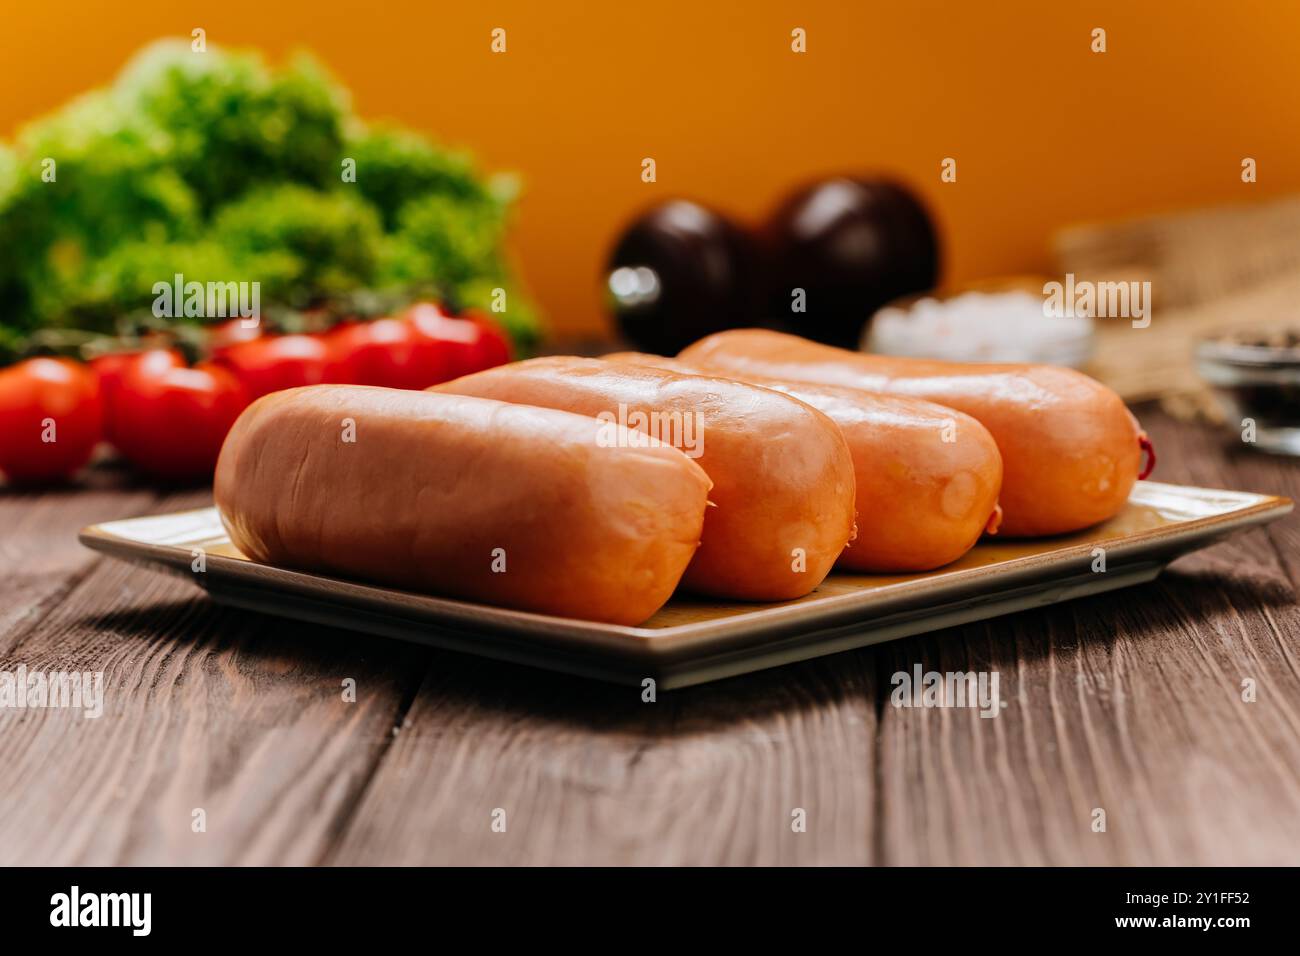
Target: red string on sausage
(995,520)
(1145,444)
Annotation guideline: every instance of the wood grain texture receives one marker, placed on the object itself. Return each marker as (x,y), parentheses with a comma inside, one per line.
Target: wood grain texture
(590,774)
(39,562)
(204,708)
(1129,702)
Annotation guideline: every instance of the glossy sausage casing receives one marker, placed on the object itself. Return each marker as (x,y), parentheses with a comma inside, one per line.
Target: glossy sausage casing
(782,474)
(465,497)
(927,476)
(1070,448)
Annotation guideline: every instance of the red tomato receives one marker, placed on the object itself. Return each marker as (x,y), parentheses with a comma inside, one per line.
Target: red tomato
(51,418)
(275,362)
(389,352)
(471,344)
(110,368)
(232,332)
(169,419)
(494,346)
(338,341)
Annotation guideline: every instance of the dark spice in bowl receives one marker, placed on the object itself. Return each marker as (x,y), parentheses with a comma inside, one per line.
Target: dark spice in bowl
(1256,376)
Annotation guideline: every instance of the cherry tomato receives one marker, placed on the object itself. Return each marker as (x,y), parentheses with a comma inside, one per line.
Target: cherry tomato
(389,352)
(494,346)
(51,418)
(346,342)
(274,362)
(110,369)
(170,419)
(232,332)
(340,344)
(470,344)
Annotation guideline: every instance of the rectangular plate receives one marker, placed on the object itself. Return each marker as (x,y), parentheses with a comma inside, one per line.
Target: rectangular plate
(693,640)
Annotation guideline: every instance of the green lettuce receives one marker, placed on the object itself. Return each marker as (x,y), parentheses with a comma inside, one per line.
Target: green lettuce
(217,167)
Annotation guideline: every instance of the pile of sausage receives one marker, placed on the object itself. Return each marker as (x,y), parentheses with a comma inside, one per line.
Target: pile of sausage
(556,485)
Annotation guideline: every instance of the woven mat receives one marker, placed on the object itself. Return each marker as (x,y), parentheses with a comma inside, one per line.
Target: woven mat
(1211,271)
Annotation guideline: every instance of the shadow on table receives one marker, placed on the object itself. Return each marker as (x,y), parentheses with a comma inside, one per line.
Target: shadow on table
(1151,614)
(287,649)
(1147,618)
(106,475)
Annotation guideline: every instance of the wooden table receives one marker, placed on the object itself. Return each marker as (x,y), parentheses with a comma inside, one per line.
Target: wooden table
(1129,702)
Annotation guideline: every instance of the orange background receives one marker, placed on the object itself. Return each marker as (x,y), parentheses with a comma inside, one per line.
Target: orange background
(1044,131)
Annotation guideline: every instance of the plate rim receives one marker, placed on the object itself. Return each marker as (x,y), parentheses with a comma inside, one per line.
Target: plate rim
(677,639)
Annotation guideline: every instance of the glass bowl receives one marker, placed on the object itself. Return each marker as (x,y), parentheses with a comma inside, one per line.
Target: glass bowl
(1256,376)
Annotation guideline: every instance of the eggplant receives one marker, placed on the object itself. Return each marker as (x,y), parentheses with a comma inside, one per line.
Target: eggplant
(680,272)
(852,245)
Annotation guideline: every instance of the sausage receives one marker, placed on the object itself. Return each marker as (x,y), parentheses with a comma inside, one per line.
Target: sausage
(782,473)
(1070,448)
(927,476)
(463,497)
